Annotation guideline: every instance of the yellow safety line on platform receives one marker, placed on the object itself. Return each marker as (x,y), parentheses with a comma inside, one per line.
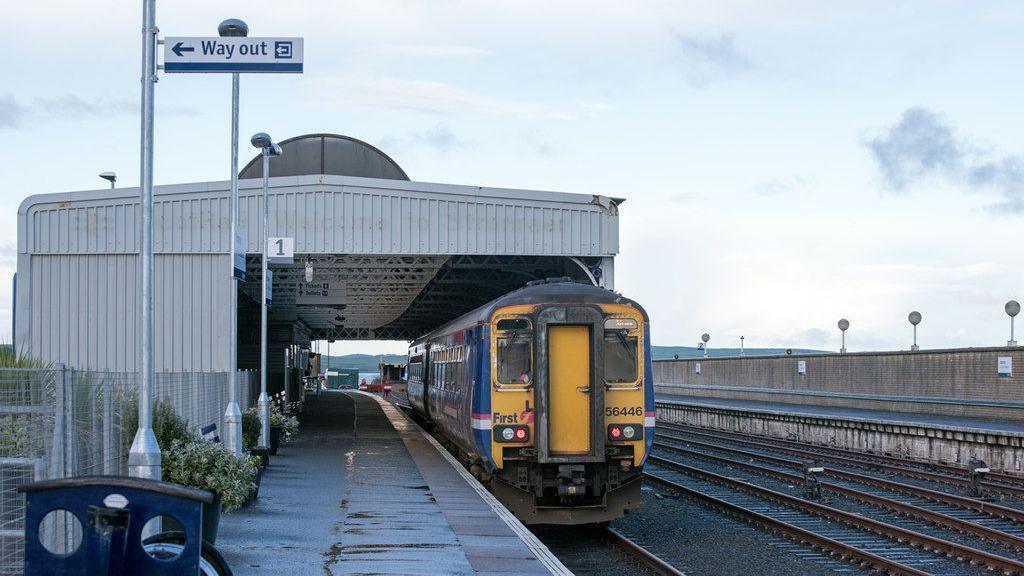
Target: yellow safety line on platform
(400,421)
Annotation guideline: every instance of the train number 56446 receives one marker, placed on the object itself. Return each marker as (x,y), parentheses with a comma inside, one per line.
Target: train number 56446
(623,411)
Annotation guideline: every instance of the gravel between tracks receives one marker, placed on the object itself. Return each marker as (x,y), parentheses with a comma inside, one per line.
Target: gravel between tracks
(702,542)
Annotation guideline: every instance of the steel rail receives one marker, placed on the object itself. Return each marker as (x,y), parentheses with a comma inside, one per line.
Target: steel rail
(996,510)
(960,525)
(939,546)
(645,556)
(817,541)
(861,460)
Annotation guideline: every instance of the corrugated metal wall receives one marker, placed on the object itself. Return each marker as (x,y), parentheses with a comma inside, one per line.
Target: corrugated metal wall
(84,311)
(339,215)
(77,252)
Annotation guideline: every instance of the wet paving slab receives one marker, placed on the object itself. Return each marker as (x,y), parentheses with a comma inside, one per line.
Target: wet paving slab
(354,495)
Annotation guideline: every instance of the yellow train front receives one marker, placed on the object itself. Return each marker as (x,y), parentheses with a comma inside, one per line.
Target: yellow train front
(547,395)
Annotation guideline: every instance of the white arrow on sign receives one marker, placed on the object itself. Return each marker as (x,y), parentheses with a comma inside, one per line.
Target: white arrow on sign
(280,250)
(232,54)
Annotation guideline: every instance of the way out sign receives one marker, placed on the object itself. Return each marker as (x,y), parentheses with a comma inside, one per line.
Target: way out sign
(232,54)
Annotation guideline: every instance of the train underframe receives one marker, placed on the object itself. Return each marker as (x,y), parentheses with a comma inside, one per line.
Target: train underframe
(581,493)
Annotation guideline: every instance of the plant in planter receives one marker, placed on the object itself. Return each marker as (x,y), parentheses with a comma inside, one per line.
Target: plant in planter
(282,427)
(209,466)
(251,428)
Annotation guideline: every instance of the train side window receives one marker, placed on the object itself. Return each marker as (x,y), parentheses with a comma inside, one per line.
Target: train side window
(514,351)
(620,357)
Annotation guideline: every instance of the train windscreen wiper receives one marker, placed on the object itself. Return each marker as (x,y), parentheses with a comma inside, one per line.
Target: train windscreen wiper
(625,344)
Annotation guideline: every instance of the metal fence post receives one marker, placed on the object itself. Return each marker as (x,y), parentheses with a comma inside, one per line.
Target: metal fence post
(109,450)
(197,381)
(57,468)
(70,426)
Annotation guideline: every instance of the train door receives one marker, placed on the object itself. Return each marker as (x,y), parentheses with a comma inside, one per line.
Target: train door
(569,389)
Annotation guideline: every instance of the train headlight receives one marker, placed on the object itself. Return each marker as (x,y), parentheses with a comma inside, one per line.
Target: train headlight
(512,434)
(625,432)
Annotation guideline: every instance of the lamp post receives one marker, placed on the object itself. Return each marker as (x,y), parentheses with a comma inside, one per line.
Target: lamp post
(743,351)
(915,319)
(144,454)
(109,177)
(233,414)
(844,325)
(704,338)
(262,141)
(1012,309)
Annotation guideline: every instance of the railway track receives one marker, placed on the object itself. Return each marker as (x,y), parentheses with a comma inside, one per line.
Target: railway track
(1006,483)
(925,494)
(1006,533)
(643,556)
(599,551)
(870,543)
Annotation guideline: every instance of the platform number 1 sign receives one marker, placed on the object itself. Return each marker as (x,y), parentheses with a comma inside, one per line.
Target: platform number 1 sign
(280,250)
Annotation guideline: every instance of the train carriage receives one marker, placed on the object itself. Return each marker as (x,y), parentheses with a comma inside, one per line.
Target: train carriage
(547,394)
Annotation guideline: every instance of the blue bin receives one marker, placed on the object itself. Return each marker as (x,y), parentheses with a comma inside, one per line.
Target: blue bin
(111,511)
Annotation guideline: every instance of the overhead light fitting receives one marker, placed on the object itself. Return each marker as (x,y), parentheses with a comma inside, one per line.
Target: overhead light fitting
(309,271)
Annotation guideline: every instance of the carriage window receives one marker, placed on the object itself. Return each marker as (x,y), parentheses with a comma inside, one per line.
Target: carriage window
(620,357)
(416,370)
(515,351)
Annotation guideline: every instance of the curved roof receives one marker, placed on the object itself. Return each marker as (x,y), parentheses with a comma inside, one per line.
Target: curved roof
(327,154)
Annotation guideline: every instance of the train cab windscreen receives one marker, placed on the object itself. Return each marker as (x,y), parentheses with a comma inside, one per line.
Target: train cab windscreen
(515,351)
(620,352)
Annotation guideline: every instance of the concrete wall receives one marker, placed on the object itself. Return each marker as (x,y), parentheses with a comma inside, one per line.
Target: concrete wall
(960,382)
(1002,451)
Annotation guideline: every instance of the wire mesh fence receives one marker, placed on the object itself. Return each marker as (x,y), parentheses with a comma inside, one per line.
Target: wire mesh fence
(61,423)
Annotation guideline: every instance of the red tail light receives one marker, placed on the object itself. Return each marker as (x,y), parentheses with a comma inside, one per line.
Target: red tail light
(625,432)
(512,434)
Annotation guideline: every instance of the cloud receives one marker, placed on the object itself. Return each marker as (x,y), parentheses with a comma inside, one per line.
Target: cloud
(71,106)
(922,146)
(440,138)
(428,96)
(708,59)
(436,51)
(11,113)
(779,186)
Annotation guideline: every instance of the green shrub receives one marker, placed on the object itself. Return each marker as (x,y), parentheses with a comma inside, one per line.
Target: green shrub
(289,424)
(19,434)
(167,425)
(209,466)
(251,428)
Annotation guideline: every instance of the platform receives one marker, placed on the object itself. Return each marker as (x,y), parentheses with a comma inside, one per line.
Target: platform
(363,491)
(935,421)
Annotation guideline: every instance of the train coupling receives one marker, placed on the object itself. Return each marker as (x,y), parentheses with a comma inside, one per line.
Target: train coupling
(571,479)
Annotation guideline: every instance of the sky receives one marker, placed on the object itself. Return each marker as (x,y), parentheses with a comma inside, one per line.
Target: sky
(786,163)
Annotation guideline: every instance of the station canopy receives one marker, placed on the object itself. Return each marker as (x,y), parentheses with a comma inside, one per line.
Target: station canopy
(391,258)
(447,249)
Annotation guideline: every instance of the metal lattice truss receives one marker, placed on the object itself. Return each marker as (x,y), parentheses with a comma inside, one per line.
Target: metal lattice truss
(357,292)
(399,297)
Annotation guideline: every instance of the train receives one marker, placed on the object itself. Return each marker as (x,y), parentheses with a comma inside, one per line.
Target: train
(546,394)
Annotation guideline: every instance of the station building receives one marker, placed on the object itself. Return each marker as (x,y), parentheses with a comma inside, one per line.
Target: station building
(392,258)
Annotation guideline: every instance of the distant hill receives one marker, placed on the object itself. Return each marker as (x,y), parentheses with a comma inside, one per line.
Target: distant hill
(368,362)
(362,362)
(688,352)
